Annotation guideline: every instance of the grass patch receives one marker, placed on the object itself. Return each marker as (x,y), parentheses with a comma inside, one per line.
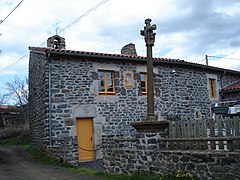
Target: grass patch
(135,176)
(14,141)
(84,171)
(40,157)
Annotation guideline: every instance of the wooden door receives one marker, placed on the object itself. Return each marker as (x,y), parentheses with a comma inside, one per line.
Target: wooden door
(84,129)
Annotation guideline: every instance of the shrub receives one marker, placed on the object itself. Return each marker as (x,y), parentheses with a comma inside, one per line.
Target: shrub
(21,131)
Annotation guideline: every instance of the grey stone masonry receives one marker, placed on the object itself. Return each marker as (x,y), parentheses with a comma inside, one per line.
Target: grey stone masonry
(38,100)
(129,49)
(145,155)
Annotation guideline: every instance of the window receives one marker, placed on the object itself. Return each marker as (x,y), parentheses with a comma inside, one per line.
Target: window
(106,82)
(212,88)
(143,82)
(128,79)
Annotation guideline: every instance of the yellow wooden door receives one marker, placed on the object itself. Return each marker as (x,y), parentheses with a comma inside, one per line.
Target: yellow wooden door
(85,139)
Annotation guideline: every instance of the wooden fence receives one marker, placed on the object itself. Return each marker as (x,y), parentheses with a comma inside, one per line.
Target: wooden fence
(221,133)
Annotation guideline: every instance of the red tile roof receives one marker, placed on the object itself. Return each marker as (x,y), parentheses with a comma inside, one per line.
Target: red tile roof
(121,56)
(232,87)
(43,49)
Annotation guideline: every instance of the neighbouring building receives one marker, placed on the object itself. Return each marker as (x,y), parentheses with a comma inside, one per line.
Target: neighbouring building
(11,116)
(231,92)
(75,97)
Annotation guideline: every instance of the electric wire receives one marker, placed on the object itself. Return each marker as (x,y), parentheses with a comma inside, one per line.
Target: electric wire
(14,63)
(219,57)
(1,21)
(83,15)
(61,31)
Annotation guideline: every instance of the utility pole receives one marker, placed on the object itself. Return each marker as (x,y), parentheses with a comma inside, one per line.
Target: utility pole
(206,59)
(0,35)
(149,37)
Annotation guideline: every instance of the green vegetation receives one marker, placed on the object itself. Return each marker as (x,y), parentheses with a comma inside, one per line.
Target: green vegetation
(18,131)
(40,157)
(22,141)
(135,176)
(14,141)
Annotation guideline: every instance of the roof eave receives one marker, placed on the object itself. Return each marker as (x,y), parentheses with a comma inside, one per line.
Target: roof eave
(52,53)
(232,90)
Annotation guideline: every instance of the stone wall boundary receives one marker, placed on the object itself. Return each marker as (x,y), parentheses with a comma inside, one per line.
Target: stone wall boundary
(143,154)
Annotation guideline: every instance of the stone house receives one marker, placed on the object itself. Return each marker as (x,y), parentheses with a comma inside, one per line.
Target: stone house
(75,97)
(231,92)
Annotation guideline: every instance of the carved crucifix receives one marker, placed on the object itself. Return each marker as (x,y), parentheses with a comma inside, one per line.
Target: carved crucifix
(149,37)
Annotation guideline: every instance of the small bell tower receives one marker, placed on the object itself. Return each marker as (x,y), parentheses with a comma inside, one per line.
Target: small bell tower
(56,42)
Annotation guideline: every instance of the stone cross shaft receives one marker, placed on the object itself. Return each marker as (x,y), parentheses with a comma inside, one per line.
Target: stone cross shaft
(149,37)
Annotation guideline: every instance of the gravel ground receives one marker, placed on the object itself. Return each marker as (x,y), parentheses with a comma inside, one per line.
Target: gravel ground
(17,164)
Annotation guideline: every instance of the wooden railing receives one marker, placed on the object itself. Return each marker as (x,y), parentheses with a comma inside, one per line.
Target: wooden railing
(221,133)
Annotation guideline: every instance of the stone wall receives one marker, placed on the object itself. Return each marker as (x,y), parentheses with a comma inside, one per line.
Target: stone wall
(145,154)
(74,94)
(38,100)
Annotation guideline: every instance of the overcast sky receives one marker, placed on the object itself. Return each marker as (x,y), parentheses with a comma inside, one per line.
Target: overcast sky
(186,29)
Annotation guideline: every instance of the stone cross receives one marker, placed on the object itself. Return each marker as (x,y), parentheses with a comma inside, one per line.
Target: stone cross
(148,34)
(149,37)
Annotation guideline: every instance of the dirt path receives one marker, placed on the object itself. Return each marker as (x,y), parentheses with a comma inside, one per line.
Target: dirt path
(16,164)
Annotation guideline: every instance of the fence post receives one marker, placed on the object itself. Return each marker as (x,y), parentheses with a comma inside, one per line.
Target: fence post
(220,130)
(212,133)
(172,127)
(197,132)
(204,133)
(236,131)
(230,145)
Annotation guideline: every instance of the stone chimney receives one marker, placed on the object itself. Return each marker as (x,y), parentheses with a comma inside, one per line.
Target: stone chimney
(56,42)
(129,49)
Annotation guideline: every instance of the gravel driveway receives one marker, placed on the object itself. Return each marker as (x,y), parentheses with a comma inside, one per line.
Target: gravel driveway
(16,164)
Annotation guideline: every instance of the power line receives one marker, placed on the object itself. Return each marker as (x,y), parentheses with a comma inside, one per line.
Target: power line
(61,31)
(79,18)
(1,21)
(15,62)
(83,15)
(219,57)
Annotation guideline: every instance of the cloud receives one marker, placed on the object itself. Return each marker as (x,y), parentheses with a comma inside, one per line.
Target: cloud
(186,29)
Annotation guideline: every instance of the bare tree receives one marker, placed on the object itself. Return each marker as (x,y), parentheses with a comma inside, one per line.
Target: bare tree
(3,99)
(17,90)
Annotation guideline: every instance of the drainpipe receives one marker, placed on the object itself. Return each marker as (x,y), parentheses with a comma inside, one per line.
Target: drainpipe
(49,100)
